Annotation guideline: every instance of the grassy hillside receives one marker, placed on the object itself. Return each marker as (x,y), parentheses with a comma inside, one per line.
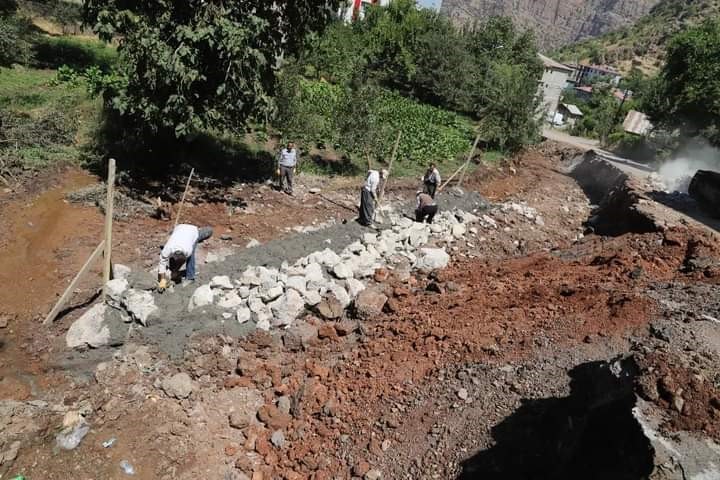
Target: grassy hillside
(643,44)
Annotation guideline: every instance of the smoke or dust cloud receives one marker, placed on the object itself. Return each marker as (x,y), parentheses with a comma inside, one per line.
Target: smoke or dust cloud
(676,174)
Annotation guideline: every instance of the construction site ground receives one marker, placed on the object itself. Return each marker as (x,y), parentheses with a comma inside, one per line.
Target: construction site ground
(481,370)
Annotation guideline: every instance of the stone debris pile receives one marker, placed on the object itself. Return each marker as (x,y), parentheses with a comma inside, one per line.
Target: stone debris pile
(324,282)
(329,282)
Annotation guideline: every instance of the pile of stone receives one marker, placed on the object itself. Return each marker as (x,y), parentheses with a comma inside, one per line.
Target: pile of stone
(328,282)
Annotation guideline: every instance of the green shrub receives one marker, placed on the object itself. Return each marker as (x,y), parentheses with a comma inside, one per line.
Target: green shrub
(14,44)
(78,54)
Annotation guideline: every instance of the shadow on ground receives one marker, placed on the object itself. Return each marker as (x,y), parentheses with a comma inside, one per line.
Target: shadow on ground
(684,203)
(590,435)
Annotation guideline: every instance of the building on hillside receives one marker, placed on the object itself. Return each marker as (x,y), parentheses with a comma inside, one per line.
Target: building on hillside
(354,9)
(585,74)
(553,82)
(567,114)
(637,123)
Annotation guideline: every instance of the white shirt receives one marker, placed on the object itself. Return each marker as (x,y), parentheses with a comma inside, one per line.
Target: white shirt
(183,239)
(288,158)
(434,177)
(372,181)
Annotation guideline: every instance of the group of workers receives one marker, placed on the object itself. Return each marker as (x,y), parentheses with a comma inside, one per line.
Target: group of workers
(181,247)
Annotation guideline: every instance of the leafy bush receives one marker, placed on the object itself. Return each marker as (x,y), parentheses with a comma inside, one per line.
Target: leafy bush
(76,53)
(14,45)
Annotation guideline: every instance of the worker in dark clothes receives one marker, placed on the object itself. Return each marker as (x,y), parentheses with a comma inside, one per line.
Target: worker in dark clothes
(431,180)
(426,208)
(369,196)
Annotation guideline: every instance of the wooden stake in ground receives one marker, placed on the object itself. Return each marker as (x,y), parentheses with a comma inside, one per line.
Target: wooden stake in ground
(381,195)
(109,204)
(469,159)
(68,291)
(462,167)
(182,201)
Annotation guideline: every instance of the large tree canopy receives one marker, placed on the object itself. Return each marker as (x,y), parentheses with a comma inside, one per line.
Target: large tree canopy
(193,64)
(687,92)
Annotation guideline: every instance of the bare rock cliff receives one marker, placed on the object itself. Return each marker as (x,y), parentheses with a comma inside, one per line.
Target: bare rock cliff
(556,22)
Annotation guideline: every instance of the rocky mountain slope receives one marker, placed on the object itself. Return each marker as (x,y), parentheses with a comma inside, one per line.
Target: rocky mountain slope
(643,44)
(555,22)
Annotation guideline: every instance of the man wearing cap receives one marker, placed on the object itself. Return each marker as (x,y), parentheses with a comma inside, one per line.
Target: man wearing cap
(287,162)
(426,208)
(179,250)
(369,196)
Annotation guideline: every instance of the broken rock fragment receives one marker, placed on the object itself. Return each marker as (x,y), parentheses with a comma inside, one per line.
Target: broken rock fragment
(178,386)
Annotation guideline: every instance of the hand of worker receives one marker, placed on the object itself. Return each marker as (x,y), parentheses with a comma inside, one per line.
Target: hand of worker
(162,285)
(277,172)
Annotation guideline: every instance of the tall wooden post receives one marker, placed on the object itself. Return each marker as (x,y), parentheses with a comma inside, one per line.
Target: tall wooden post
(182,201)
(109,203)
(467,162)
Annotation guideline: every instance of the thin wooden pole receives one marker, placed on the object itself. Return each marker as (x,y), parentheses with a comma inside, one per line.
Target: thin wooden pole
(442,187)
(68,291)
(392,160)
(109,204)
(182,201)
(469,159)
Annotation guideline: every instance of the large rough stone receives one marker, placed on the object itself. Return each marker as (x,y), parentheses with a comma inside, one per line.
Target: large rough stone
(370,303)
(141,280)
(121,272)
(270,291)
(140,305)
(339,292)
(179,385)
(243,315)
(418,235)
(370,238)
(230,300)
(89,330)
(115,289)
(312,298)
(202,297)
(300,336)
(459,230)
(250,278)
(327,258)
(297,283)
(466,217)
(354,287)
(221,281)
(432,259)
(355,247)
(287,308)
(330,308)
(343,270)
(314,272)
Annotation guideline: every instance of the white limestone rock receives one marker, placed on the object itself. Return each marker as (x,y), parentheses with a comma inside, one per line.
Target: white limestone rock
(202,297)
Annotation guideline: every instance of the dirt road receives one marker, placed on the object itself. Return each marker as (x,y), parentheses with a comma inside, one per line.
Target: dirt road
(503,365)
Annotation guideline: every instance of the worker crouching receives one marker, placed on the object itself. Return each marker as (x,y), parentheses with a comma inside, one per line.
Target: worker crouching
(180,250)
(426,208)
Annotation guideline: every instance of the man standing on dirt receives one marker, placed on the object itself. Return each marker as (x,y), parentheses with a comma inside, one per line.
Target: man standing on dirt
(179,250)
(426,208)
(369,196)
(431,180)
(287,162)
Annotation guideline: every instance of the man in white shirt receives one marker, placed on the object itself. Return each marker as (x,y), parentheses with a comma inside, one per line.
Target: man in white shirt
(369,196)
(287,162)
(179,250)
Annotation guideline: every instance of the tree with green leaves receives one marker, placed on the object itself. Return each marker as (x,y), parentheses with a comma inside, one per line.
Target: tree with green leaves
(686,94)
(189,65)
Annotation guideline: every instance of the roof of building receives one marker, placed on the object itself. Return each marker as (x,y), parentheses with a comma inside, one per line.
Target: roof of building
(586,89)
(637,123)
(573,109)
(550,63)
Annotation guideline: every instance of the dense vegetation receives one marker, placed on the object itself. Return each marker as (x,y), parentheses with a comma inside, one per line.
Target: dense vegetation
(404,69)
(686,94)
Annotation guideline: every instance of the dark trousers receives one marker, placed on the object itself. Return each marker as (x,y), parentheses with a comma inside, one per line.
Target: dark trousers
(367,207)
(286,178)
(430,188)
(426,213)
